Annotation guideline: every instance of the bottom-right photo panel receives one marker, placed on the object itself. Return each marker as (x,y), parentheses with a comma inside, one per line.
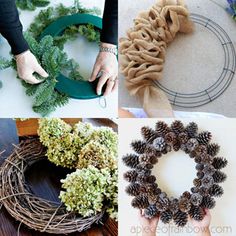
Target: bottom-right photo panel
(177,177)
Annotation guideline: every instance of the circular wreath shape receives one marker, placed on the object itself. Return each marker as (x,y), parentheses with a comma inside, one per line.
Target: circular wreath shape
(156,143)
(74,88)
(22,204)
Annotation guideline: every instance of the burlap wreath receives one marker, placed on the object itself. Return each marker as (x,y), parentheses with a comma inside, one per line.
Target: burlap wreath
(143,186)
(22,204)
(142,53)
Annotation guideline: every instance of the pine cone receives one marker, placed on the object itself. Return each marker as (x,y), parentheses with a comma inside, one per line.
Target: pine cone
(184,148)
(148,134)
(184,204)
(207,181)
(216,190)
(152,189)
(208,202)
(146,179)
(151,151)
(152,199)
(207,159)
(144,158)
(196,199)
(131,160)
(197,182)
(192,154)
(201,150)
(219,177)
(208,170)
(192,144)
(196,213)
(130,176)
(163,203)
(192,129)
(176,146)
(177,127)
(183,137)
(159,144)
(186,194)
(166,216)
(161,128)
(140,202)
(166,149)
(198,159)
(199,167)
(204,138)
(144,166)
(203,191)
(194,190)
(213,149)
(151,212)
(180,218)
(174,205)
(200,174)
(219,163)
(133,189)
(139,146)
(170,138)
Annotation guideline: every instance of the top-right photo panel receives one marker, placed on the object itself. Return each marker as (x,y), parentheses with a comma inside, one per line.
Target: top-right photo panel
(177,58)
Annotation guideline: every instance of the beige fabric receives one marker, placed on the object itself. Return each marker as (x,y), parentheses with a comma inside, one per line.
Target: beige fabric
(142,53)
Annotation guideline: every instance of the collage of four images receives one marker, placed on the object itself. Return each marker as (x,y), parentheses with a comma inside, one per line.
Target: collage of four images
(117,117)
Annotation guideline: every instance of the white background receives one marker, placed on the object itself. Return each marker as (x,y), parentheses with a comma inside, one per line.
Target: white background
(14,101)
(176,172)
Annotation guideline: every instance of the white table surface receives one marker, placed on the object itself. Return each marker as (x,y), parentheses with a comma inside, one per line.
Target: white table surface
(175,173)
(14,101)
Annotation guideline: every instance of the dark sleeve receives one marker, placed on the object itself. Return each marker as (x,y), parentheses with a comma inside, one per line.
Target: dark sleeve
(110,22)
(10,26)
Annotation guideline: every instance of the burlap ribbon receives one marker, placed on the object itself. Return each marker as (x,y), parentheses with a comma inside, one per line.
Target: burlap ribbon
(142,53)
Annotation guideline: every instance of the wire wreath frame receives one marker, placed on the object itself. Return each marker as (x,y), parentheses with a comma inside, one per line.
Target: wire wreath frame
(197,99)
(21,203)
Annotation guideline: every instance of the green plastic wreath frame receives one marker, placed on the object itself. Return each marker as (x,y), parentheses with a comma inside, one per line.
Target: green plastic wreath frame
(73,88)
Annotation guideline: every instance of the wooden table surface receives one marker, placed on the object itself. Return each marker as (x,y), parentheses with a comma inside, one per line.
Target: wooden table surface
(45,179)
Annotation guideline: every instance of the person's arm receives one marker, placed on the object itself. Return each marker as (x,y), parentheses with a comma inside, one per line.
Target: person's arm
(109,32)
(11,27)
(202,227)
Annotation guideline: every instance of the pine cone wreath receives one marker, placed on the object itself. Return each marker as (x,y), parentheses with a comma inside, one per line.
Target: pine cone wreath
(166,216)
(196,213)
(196,199)
(180,218)
(159,144)
(133,189)
(219,177)
(216,190)
(219,163)
(204,138)
(213,149)
(131,160)
(151,212)
(161,128)
(208,202)
(177,127)
(140,202)
(171,138)
(192,129)
(184,204)
(131,176)
(148,134)
(139,146)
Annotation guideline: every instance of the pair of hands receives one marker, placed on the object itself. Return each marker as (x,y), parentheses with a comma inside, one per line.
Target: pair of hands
(106,64)
(149,226)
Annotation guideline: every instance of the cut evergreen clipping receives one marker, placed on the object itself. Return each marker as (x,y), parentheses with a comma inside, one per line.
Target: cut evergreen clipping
(49,52)
(31,5)
(158,142)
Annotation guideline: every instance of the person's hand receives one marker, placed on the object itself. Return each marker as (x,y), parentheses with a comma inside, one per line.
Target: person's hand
(27,64)
(106,66)
(149,226)
(202,227)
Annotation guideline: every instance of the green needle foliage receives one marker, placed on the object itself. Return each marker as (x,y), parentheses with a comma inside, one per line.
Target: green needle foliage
(31,5)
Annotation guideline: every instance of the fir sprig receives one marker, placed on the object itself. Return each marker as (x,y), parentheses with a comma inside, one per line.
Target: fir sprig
(31,5)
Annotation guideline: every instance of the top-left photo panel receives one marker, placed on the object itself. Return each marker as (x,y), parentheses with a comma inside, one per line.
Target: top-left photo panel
(58,58)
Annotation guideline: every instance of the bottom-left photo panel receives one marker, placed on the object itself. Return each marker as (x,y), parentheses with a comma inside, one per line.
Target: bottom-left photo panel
(58,177)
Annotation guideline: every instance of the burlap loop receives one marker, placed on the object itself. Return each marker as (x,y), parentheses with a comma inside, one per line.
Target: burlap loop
(143,51)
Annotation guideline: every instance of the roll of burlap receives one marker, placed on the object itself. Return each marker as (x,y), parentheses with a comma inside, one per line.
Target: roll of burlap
(142,53)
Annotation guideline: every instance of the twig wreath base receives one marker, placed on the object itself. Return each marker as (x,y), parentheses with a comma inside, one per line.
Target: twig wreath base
(21,203)
(155,144)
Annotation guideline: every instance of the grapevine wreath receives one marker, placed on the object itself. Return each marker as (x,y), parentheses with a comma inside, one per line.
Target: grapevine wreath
(155,144)
(90,153)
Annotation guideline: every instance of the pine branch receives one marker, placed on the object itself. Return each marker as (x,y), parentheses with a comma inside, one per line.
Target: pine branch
(31,5)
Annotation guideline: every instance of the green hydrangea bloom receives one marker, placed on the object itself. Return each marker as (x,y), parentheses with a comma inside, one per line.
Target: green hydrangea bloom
(85,190)
(96,154)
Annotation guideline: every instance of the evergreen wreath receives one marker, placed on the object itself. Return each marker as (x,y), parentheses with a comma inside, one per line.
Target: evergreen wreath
(93,179)
(155,144)
(49,52)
